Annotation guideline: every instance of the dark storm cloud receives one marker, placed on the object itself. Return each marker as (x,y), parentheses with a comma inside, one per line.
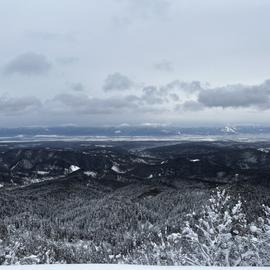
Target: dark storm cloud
(12,105)
(117,82)
(236,96)
(164,65)
(29,63)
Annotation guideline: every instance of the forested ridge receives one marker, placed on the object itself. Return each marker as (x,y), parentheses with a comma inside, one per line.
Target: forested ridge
(117,217)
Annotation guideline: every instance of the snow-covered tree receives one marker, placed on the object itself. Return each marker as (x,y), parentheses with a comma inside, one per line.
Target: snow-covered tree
(261,230)
(152,246)
(220,235)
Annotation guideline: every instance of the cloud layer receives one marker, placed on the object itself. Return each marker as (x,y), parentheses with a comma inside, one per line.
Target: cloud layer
(107,61)
(19,105)
(117,82)
(238,95)
(29,63)
(172,97)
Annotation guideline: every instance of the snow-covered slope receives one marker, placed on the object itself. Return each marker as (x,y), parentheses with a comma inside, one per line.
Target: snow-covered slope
(115,267)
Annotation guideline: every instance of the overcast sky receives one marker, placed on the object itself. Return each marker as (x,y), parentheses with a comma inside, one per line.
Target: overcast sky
(109,62)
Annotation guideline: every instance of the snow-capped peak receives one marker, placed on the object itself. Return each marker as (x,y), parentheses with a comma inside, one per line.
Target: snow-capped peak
(229,129)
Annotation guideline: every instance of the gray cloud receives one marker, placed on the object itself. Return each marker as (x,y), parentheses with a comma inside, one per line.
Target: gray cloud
(81,44)
(164,65)
(236,96)
(78,87)
(174,97)
(11,105)
(117,82)
(29,63)
(146,9)
(50,36)
(152,101)
(188,87)
(150,8)
(68,60)
(153,95)
(83,104)
(142,10)
(190,105)
(169,92)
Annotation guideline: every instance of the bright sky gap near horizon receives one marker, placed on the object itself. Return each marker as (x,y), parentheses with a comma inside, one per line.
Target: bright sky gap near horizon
(109,62)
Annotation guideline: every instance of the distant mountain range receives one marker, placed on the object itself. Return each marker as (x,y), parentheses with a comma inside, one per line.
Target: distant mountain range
(130,131)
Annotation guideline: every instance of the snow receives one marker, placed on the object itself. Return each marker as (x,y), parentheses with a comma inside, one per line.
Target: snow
(42,172)
(73,168)
(116,169)
(28,181)
(264,150)
(115,267)
(229,129)
(139,160)
(174,236)
(194,160)
(253,228)
(90,173)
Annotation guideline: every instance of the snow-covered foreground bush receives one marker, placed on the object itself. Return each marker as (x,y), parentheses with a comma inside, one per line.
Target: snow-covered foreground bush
(221,236)
(217,235)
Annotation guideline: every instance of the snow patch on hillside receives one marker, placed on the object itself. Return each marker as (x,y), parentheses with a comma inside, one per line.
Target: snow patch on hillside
(91,173)
(264,150)
(116,169)
(73,168)
(194,160)
(42,172)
